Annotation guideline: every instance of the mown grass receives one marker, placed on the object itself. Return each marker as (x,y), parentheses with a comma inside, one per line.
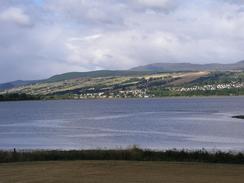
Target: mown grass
(133,154)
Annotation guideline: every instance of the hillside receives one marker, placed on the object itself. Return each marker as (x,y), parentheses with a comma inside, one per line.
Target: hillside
(108,85)
(74,75)
(94,74)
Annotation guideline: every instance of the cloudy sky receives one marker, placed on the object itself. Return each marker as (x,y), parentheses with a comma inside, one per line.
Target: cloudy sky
(40,38)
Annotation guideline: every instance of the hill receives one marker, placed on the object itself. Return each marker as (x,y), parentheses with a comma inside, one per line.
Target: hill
(75,75)
(154,80)
(115,85)
(13,84)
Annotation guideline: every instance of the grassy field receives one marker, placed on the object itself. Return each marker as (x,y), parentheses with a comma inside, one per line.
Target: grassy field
(120,171)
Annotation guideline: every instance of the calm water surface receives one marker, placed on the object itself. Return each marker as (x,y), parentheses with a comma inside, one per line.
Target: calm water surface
(191,123)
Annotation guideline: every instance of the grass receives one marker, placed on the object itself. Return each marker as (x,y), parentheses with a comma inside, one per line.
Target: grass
(133,154)
(120,172)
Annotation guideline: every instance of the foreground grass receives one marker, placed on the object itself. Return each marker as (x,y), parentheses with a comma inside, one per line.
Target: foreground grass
(120,172)
(133,154)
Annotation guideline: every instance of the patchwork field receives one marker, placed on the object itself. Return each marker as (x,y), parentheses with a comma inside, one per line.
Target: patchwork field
(120,171)
(111,83)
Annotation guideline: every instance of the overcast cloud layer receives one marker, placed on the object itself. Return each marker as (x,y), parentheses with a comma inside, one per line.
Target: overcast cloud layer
(40,38)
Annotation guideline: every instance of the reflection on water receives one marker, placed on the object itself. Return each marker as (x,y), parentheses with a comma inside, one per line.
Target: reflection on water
(191,123)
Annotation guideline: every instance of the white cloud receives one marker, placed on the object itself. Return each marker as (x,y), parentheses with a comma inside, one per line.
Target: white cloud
(82,35)
(86,38)
(154,3)
(15,15)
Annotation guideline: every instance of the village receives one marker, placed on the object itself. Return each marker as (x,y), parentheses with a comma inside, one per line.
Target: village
(208,87)
(136,93)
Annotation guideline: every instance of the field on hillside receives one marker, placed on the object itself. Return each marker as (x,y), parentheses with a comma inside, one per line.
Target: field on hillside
(120,172)
(139,85)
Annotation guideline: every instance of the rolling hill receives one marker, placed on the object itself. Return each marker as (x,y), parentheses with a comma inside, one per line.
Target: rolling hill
(104,80)
(94,74)
(75,75)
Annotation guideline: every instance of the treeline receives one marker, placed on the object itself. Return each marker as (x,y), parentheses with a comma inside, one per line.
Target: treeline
(18,96)
(238,116)
(134,154)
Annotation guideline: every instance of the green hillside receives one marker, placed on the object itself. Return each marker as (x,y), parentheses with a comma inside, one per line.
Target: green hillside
(92,74)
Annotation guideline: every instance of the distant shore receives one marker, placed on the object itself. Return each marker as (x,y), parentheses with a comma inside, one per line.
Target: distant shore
(43,98)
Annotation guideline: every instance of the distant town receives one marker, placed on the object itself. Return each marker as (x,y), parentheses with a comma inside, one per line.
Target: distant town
(212,87)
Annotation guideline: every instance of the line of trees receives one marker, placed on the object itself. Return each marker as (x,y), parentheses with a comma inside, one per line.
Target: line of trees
(18,96)
(133,154)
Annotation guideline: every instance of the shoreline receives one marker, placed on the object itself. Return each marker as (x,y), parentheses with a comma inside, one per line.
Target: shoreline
(132,98)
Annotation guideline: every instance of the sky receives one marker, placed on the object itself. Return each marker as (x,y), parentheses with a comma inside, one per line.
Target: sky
(41,38)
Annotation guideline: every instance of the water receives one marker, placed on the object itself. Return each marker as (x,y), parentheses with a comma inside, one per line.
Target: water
(190,123)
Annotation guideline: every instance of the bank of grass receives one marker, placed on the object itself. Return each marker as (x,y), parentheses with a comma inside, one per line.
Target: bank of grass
(132,154)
